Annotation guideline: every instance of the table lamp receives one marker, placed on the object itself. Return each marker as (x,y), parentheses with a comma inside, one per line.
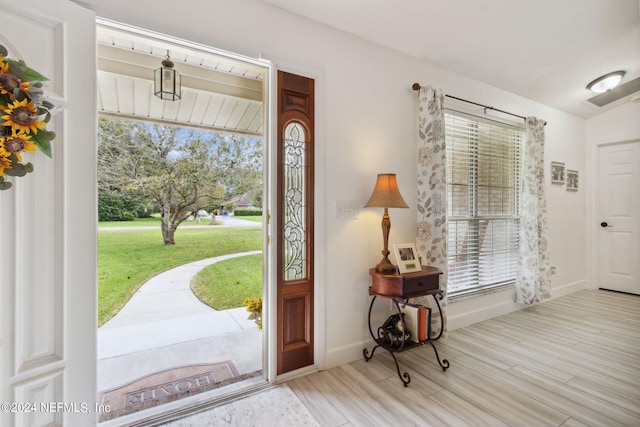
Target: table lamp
(386,195)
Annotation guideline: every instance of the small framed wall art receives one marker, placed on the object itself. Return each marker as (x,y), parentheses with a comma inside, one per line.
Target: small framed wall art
(407,257)
(572,180)
(557,173)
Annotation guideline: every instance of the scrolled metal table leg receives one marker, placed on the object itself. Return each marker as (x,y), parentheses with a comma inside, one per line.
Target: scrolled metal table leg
(402,376)
(435,297)
(365,352)
(444,364)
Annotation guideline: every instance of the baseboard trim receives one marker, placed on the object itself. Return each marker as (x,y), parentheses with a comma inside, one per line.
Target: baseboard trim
(569,288)
(346,354)
(484,307)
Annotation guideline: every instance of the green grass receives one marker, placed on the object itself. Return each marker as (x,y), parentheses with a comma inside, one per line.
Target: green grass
(154,220)
(226,284)
(128,258)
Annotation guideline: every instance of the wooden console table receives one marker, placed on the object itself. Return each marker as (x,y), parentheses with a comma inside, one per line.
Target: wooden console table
(399,288)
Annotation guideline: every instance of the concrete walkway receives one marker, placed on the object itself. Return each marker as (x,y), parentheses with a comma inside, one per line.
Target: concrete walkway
(164,326)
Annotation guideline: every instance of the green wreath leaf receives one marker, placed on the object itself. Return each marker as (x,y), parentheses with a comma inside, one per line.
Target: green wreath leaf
(43,142)
(21,71)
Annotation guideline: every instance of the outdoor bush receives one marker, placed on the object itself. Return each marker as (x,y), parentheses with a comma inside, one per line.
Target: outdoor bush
(143,211)
(247,212)
(116,207)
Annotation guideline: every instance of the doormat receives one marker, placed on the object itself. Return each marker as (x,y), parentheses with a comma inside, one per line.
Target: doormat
(167,386)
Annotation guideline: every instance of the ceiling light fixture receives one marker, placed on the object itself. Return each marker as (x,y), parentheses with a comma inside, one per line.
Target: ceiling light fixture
(607,82)
(167,81)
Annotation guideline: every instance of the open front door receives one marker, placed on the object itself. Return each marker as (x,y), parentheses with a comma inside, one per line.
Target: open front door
(295,222)
(48,238)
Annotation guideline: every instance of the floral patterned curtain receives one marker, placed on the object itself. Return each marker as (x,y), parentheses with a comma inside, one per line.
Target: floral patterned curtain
(431,238)
(534,271)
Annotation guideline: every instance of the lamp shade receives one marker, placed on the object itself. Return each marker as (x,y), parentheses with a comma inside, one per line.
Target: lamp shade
(386,193)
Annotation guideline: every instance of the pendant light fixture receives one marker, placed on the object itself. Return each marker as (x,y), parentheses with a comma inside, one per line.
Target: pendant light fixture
(167,81)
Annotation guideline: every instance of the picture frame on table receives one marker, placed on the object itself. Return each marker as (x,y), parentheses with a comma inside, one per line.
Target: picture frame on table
(557,173)
(407,257)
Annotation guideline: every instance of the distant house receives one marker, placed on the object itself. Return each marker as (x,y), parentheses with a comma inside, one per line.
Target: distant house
(238,202)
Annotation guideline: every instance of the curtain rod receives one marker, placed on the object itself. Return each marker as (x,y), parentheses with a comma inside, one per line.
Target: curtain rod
(416,86)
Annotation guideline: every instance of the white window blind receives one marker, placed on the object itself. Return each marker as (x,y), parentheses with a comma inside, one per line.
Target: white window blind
(483,181)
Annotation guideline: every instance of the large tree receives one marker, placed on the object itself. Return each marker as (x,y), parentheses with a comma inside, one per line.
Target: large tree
(182,171)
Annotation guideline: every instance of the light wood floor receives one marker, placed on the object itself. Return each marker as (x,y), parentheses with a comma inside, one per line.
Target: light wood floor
(571,361)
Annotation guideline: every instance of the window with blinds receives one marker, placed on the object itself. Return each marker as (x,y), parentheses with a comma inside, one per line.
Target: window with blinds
(483,179)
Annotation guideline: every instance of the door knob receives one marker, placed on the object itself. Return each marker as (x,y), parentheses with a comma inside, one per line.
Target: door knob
(604,224)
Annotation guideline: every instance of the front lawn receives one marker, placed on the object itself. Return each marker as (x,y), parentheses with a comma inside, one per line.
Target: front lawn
(226,284)
(128,258)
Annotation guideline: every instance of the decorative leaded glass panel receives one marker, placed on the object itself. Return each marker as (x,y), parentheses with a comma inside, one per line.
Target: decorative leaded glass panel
(294,203)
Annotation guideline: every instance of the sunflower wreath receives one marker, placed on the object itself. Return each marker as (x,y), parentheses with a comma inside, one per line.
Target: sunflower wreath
(24,114)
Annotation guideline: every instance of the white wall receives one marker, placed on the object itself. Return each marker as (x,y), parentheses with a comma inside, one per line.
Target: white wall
(366,125)
(618,125)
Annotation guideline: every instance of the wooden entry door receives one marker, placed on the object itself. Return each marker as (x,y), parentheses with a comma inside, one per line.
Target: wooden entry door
(295,222)
(619,217)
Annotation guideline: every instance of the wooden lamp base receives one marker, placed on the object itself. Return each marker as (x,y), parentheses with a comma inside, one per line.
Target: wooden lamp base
(385,266)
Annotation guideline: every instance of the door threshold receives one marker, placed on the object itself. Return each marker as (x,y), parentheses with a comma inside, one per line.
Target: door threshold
(172,411)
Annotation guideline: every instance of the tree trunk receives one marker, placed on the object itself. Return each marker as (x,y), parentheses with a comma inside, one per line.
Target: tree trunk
(168,235)
(168,229)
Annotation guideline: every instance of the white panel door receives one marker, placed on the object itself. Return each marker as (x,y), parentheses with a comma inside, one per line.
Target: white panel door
(48,237)
(619,217)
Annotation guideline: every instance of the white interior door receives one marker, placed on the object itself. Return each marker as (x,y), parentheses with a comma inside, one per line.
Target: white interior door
(619,217)
(48,238)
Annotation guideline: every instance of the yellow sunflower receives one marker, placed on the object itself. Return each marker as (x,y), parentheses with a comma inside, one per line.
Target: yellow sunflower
(21,116)
(5,163)
(17,143)
(8,83)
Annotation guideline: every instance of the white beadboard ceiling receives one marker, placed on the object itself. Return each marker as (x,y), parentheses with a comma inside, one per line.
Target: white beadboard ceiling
(218,93)
(544,50)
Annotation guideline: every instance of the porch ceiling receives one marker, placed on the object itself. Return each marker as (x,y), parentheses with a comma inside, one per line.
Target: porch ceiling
(218,94)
